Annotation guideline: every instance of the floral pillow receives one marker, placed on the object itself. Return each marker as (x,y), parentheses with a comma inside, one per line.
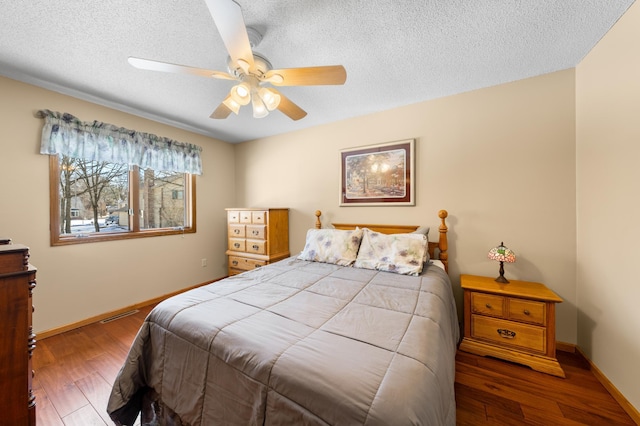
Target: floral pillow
(335,246)
(399,253)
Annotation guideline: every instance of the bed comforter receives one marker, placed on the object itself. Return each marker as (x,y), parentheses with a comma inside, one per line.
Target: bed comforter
(302,343)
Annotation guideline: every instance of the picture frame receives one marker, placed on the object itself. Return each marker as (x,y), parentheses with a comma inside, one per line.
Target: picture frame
(378,175)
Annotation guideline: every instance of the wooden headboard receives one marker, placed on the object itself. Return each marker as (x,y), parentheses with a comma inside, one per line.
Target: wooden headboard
(441,246)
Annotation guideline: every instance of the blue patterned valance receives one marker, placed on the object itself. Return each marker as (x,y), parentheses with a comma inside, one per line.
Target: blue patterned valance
(65,134)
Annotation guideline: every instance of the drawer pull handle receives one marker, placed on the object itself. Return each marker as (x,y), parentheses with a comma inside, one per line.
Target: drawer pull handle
(236,231)
(256,247)
(236,245)
(488,305)
(235,263)
(526,312)
(255,232)
(507,334)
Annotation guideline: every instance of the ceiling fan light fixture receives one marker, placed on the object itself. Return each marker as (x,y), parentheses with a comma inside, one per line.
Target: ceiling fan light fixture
(270,97)
(259,108)
(241,93)
(232,104)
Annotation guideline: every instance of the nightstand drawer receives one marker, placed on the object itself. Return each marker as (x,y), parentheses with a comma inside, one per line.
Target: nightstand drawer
(236,230)
(256,246)
(245,264)
(527,311)
(509,333)
(237,244)
(487,304)
(256,232)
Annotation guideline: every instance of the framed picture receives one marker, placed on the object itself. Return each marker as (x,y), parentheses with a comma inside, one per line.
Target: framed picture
(378,175)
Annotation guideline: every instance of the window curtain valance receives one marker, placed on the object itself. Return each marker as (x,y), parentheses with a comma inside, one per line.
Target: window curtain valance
(65,134)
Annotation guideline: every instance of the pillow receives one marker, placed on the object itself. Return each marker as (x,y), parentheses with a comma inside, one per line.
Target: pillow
(399,253)
(424,230)
(335,246)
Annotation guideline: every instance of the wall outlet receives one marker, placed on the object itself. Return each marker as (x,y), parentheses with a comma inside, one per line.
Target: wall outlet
(204,262)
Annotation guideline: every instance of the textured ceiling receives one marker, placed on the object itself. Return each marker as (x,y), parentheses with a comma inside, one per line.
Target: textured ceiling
(395,52)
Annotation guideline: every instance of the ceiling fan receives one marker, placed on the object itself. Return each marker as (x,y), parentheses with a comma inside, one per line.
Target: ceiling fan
(252,70)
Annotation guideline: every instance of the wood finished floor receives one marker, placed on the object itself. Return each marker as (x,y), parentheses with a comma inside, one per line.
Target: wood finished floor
(74,372)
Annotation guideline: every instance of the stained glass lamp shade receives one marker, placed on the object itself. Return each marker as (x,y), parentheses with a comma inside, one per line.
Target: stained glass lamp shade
(502,254)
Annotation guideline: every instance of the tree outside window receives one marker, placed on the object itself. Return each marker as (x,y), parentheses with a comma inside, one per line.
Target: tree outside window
(96,201)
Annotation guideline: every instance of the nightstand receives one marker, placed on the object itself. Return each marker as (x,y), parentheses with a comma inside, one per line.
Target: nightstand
(514,322)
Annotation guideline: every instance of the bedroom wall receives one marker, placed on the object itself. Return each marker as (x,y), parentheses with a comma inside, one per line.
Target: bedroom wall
(501,160)
(608,206)
(82,281)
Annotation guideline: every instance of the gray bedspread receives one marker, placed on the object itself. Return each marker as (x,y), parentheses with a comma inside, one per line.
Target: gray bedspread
(299,343)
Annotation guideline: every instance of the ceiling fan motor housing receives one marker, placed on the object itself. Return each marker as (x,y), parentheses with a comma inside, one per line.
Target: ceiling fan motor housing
(262,65)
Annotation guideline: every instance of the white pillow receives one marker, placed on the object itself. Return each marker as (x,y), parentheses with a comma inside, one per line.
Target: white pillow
(335,246)
(399,253)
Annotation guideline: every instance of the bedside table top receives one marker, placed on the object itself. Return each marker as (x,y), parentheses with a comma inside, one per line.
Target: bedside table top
(524,289)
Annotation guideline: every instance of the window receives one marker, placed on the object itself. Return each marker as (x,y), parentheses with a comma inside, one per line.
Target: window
(99,200)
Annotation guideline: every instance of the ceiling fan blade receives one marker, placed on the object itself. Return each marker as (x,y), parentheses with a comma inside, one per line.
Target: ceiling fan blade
(309,76)
(221,112)
(227,16)
(148,64)
(291,110)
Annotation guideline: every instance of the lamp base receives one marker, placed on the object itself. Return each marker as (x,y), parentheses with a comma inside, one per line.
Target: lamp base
(501,278)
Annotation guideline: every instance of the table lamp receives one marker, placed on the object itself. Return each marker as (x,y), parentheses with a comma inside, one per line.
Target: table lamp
(502,254)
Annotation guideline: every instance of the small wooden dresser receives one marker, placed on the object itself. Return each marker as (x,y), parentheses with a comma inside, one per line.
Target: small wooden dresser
(514,322)
(17,341)
(256,237)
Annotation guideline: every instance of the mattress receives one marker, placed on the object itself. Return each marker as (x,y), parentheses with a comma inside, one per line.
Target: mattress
(298,342)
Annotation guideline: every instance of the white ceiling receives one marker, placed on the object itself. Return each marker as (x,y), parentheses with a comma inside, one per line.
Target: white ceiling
(396,52)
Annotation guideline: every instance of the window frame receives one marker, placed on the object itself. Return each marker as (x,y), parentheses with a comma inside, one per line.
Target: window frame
(134,203)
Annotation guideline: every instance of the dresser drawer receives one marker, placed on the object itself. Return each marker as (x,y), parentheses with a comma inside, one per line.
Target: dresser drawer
(256,246)
(508,333)
(257,232)
(244,264)
(233,216)
(236,230)
(237,244)
(487,304)
(259,217)
(527,311)
(245,216)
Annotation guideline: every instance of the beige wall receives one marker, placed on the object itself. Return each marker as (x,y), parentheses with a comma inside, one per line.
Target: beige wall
(81,281)
(501,160)
(608,204)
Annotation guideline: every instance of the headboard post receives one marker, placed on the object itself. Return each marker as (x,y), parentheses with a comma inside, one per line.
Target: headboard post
(318,223)
(443,245)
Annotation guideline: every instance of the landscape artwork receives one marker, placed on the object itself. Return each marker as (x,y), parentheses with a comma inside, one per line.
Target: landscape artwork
(378,174)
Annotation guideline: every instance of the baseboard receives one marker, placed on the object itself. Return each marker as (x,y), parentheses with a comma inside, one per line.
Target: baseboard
(566,347)
(58,330)
(615,393)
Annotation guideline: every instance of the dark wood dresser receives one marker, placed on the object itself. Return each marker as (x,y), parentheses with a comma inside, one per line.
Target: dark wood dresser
(17,341)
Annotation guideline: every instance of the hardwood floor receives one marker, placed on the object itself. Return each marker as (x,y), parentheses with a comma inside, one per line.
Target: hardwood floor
(74,372)
(494,392)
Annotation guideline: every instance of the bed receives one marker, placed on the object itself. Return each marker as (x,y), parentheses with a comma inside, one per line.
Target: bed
(309,340)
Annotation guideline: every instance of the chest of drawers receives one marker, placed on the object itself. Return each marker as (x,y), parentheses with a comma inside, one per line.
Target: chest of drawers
(513,321)
(256,237)
(17,341)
